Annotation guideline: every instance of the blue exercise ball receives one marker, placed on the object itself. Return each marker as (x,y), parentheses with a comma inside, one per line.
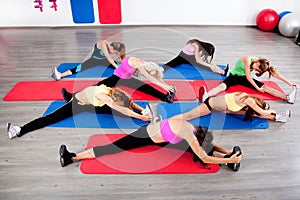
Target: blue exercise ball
(289,25)
(283,14)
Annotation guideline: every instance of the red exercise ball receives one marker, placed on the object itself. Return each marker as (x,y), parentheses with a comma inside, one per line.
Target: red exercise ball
(267,20)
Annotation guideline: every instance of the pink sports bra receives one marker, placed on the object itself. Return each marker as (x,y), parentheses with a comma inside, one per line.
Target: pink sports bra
(167,134)
(125,71)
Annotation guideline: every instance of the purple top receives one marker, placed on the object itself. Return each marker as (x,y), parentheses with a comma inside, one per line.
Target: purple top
(125,71)
(167,134)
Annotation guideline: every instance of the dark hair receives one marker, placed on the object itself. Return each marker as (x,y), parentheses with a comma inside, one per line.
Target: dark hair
(208,47)
(249,111)
(205,139)
(120,47)
(120,97)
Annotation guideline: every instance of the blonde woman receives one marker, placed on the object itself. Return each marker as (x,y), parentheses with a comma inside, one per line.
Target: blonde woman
(131,67)
(94,99)
(236,103)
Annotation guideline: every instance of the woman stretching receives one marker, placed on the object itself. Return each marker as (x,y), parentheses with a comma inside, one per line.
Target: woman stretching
(102,56)
(167,131)
(197,53)
(241,75)
(236,103)
(94,99)
(132,66)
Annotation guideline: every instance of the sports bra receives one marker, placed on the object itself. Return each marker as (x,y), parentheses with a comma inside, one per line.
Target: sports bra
(239,68)
(231,104)
(125,71)
(167,134)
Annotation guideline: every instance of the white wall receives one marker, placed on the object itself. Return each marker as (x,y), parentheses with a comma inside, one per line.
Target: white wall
(147,12)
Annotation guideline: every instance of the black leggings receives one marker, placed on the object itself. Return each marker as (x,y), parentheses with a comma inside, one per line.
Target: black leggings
(138,138)
(69,109)
(95,60)
(182,58)
(133,83)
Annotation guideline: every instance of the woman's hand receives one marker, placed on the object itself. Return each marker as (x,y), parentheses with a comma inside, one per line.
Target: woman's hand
(145,118)
(235,158)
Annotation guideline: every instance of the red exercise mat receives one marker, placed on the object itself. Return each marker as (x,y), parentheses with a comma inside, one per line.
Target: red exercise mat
(143,160)
(51,90)
(237,88)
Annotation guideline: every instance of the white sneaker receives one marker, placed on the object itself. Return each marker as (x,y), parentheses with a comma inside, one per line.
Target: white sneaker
(202,94)
(291,98)
(12,131)
(56,73)
(283,116)
(148,111)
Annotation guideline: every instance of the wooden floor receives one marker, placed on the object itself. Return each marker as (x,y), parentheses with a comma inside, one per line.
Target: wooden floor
(29,166)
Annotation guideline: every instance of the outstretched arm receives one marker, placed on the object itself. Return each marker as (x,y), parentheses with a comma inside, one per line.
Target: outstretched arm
(199,151)
(247,62)
(103,46)
(126,111)
(154,80)
(251,103)
(280,77)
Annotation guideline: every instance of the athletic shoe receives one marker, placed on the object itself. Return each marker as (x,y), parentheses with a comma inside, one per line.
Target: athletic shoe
(291,98)
(66,157)
(156,119)
(297,41)
(234,166)
(67,95)
(171,95)
(148,111)
(56,73)
(283,117)
(13,131)
(202,94)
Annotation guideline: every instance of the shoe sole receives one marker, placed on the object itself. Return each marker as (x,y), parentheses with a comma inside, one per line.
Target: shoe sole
(7,128)
(201,93)
(62,149)
(294,98)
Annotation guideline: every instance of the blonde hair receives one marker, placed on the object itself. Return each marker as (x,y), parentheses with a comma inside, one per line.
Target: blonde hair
(120,97)
(249,111)
(265,67)
(153,69)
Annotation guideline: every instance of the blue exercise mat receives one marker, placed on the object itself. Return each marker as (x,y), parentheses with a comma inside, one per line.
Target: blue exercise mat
(215,120)
(93,120)
(181,72)
(189,72)
(94,72)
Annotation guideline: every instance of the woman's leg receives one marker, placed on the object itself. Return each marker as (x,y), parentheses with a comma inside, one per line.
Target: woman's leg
(274,92)
(143,87)
(196,112)
(138,138)
(220,88)
(61,113)
(178,60)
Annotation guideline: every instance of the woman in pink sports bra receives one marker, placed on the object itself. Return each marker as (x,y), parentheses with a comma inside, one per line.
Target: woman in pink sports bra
(236,103)
(124,75)
(197,53)
(181,134)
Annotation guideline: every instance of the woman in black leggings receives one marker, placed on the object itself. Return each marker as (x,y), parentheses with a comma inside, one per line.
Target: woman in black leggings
(94,99)
(181,134)
(101,56)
